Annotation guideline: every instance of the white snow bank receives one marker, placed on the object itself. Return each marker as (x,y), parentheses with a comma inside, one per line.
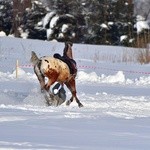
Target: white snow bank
(21,74)
(118,78)
(93,77)
(2,33)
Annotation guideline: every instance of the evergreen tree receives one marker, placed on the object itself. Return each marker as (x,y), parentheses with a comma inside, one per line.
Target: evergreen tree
(32,21)
(6,16)
(108,22)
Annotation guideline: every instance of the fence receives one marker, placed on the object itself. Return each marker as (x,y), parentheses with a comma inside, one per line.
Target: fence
(84,67)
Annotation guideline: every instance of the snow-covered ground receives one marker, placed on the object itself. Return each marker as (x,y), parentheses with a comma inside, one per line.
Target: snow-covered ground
(115,95)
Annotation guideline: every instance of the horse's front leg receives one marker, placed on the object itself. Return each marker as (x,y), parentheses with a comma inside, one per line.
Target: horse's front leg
(79,103)
(71,100)
(77,100)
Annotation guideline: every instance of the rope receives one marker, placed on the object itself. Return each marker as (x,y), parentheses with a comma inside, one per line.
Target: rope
(95,67)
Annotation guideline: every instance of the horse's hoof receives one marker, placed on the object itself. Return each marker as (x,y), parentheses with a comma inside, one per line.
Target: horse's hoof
(68,103)
(80,105)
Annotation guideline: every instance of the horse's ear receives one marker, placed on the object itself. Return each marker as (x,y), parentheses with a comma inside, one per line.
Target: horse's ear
(68,43)
(71,44)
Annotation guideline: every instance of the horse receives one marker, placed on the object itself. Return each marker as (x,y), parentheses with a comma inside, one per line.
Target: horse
(56,71)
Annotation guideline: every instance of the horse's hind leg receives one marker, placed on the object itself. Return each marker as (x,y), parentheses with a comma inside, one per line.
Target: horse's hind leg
(40,77)
(69,101)
(44,89)
(72,87)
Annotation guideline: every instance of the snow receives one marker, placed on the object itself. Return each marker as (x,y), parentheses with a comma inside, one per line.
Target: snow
(2,33)
(123,37)
(49,32)
(141,24)
(47,18)
(110,23)
(37,2)
(115,95)
(103,25)
(64,28)
(23,34)
(61,35)
(53,21)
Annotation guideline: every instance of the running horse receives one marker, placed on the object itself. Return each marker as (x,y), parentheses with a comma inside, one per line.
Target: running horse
(55,70)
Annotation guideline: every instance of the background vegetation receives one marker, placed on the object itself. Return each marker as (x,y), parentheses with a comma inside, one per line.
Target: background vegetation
(109,22)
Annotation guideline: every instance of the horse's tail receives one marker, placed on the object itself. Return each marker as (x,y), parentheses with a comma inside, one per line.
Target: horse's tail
(34,58)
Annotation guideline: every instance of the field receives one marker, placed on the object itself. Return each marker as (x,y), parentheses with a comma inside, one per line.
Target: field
(112,86)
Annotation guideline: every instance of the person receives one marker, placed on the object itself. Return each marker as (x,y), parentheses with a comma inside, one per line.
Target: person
(59,94)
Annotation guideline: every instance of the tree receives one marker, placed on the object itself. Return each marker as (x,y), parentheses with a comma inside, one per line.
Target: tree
(19,7)
(32,21)
(5,16)
(72,11)
(142,14)
(108,22)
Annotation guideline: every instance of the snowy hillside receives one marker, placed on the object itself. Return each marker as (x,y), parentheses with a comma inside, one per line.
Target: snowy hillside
(115,95)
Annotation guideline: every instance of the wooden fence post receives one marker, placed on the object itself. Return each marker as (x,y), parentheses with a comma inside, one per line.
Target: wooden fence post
(17,67)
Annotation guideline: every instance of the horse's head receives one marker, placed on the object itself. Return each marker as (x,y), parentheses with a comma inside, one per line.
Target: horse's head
(68,43)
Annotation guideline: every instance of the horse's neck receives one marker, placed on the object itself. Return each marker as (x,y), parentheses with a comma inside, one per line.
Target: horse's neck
(68,52)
